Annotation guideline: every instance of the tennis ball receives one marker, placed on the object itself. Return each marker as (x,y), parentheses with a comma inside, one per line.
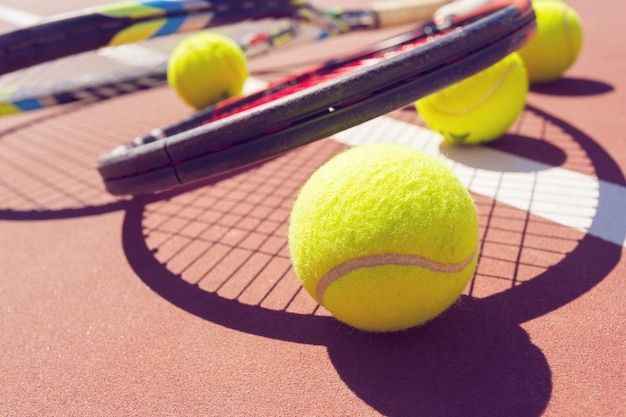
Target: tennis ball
(207,67)
(384,236)
(557,43)
(480,108)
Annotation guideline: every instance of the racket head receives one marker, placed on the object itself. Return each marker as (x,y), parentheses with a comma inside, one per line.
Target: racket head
(244,130)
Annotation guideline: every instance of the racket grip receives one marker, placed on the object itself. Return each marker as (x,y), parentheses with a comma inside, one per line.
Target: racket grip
(398,12)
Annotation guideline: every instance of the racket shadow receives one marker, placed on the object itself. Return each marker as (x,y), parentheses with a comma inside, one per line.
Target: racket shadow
(191,296)
(467,359)
(47,158)
(218,251)
(46,172)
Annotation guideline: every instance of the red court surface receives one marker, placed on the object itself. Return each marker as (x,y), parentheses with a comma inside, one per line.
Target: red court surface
(184,303)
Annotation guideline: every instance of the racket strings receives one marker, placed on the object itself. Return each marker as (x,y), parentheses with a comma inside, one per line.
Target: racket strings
(122,69)
(229,238)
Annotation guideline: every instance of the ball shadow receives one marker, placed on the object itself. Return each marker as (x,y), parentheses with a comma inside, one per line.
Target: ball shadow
(465,363)
(538,154)
(530,148)
(572,87)
(475,359)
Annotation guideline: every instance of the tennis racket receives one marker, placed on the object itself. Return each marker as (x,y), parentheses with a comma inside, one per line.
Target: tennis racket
(122,48)
(333,97)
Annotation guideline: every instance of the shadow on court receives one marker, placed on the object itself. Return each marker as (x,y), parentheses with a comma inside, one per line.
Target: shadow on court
(473,360)
(571,87)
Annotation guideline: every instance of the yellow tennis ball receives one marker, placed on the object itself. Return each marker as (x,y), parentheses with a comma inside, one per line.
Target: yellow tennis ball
(480,108)
(557,43)
(384,236)
(207,67)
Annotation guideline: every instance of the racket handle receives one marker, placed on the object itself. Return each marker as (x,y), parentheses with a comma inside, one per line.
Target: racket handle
(397,12)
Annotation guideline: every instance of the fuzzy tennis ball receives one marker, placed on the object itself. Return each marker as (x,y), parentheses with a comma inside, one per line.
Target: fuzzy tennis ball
(557,43)
(480,108)
(207,67)
(384,236)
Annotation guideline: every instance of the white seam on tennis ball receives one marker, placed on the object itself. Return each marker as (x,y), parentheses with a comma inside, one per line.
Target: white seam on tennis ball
(387,259)
(484,98)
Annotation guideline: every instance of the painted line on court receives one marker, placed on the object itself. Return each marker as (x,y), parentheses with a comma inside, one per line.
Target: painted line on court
(560,195)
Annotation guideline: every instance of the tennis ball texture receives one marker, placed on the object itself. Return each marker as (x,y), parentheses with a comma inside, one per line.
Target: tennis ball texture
(384,236)
(480,108)
(557,43)
(206,68)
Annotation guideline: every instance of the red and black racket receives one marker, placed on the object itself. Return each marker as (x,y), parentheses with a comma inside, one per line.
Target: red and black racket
(339,94)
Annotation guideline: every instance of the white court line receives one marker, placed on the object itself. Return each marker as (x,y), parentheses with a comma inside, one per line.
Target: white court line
(560,195)
(18,17)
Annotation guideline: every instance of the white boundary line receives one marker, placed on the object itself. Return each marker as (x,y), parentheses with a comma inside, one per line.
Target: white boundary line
(560,195)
